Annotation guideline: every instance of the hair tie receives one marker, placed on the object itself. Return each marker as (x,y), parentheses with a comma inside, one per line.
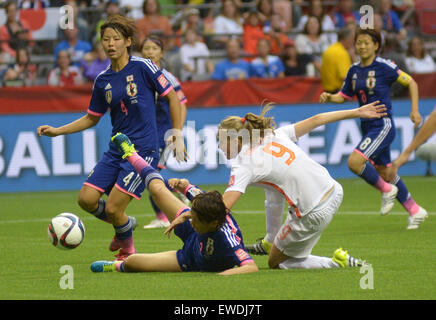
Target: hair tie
(243,119)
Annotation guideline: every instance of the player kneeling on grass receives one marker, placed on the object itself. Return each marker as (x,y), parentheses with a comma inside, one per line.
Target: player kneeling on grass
(211,236)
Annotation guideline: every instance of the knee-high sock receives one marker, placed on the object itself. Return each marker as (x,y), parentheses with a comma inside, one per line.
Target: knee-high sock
(274,205)
(404,197)
(100,213)
(311,262)
(147,172)
(371,176)
(124,234)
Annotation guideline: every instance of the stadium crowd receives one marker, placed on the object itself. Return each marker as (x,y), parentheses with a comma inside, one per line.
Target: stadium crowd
(215,39)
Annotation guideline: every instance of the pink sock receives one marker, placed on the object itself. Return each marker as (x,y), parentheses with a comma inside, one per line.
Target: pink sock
(127,245)
(382,185)
(411,206)
(119,266)
(161,216)
(137,162)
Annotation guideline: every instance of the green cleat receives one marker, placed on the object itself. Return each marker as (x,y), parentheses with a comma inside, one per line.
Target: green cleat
(342,258)
(123,144)
(103,266)
(261,248)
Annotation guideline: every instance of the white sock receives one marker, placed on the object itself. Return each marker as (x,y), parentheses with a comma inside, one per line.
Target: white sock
(311,262)
(274,206)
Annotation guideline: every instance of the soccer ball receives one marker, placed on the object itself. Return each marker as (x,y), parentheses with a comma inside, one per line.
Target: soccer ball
(66,231)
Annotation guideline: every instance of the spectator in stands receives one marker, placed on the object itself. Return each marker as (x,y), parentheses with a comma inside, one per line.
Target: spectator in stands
(336,61)
(194,69)
(312,41)
(345,13)
(22,72)
(295,64)
(276,34)
(79,23)
(188,18)
(155,23)
(132,8)
(229,23)
(253,31)
(265,9)
(266,65)
(64,74)
(284,9)
(417,60)
(14,33)
(316,9)
(94,62)
(391,21)
(233,67)
(76,48)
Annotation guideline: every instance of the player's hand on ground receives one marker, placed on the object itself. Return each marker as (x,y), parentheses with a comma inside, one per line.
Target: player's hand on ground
(325,97)
(179,220)
(416,118)
(47,130)
(372,110)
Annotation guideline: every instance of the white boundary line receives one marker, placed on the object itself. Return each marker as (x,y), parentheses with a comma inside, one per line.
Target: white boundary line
(252,212)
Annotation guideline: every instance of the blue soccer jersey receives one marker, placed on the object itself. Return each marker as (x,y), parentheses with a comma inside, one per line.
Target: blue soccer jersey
(130,96)
(371,83)
(214,251)
(271,69)
(163,117)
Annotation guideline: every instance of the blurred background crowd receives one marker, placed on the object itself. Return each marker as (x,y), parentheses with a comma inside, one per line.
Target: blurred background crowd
(218,39)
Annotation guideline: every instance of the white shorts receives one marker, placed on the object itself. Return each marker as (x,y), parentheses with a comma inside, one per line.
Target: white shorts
(298,236)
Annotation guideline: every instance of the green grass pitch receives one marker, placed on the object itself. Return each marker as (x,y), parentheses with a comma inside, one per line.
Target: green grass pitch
(403,260)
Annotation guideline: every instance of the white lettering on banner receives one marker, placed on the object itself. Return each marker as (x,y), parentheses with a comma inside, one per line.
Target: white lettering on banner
(60,167)
(2,161)
(308,142)
(27,154)
(209,148)
(89,142)
(345,140)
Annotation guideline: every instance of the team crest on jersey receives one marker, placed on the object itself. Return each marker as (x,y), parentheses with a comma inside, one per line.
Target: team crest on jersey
(132,89)
(209,246)
(370,81)
(129,78)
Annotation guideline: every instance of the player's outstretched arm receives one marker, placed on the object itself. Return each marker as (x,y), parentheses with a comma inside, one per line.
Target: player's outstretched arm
(371,110)
(328,97)
(83,123)
(249,267)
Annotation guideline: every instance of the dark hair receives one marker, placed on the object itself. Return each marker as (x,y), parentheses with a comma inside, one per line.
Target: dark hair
(409,48)
(154,39)
(123,25)
(319,24)
(344,33)
(209,207)
(144,6)
(375,36)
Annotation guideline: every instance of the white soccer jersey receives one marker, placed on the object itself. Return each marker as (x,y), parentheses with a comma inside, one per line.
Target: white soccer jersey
(280,164)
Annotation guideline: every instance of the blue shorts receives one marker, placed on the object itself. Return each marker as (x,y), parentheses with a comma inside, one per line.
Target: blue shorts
(112,171)
(185,256)
(376,141)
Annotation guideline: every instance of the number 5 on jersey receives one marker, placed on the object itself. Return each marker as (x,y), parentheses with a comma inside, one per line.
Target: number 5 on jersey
(279,151)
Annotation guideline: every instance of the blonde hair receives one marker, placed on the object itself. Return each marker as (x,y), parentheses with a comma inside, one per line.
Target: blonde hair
(251,122)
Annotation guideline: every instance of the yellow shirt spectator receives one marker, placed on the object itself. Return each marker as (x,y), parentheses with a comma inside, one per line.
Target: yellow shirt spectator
(334,67)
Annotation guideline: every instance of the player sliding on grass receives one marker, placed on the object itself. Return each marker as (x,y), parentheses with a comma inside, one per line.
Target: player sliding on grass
(212,239)
(371,79)
(127,88)
(270,159)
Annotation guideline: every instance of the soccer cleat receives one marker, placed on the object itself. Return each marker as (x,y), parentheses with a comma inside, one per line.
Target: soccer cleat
(123,144)
(114,245)
(417,219)
(261,248)
(388,200)
(157,223)
(343,259)
(103,266)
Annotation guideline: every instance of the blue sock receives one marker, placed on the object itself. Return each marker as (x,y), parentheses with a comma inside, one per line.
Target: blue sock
(148,174)
(124,231)
(100,213)
(369,174)
(403,193)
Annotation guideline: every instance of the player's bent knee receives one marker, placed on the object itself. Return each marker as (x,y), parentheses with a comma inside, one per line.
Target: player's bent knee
(355,163)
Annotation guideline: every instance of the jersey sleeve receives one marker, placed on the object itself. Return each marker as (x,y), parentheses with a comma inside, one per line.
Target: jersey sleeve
(347,89)
(403,78)
(98,105)
(240,178)
(391,71)
(287,131)
(160,83)
(242,256)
